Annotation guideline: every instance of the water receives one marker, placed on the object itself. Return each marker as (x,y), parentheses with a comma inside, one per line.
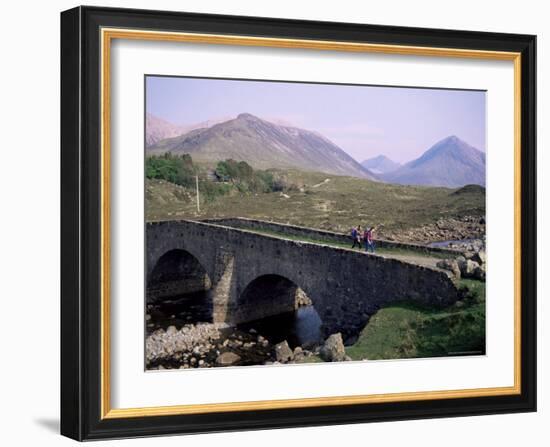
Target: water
(445,244)
(299,328)
(180,310)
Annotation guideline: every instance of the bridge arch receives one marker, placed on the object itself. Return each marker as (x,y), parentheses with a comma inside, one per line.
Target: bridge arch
(268,295)
(176,272)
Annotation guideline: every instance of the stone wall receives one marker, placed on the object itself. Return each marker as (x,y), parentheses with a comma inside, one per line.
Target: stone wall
(313,233)
(346,287)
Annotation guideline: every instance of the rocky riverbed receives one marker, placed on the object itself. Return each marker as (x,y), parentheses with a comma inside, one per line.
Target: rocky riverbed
(180,334)
(207,345)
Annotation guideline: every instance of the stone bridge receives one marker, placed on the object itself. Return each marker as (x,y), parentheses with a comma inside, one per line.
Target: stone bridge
(250,276)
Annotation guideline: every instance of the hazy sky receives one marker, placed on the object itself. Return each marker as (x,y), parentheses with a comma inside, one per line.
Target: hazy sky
(365,121)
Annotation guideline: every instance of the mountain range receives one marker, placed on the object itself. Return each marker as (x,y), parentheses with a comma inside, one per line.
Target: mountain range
(450,162)
(263,144)
(380,164)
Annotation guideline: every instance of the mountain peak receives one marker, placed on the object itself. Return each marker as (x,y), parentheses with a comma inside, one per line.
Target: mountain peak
(450,162)
(247,116)
(380,164)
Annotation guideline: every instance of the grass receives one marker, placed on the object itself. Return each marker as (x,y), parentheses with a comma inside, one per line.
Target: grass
(333,205)
(312,359)
(407,330)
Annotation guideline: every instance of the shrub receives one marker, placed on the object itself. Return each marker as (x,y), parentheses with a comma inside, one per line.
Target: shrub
(177,169)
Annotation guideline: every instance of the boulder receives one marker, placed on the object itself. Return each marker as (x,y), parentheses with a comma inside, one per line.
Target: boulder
(467,268)
(450,265)
(283,353)
(227,358)
(479,272)
(298,354)
(301,299)
(333,350)
(480,257)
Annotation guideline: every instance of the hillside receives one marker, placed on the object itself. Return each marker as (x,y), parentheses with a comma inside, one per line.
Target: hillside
(329,202)
(380,164)
(451,163)
(264,145)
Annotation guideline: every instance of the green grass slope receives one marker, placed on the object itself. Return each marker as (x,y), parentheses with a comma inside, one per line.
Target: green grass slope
(321,200)
(407,330)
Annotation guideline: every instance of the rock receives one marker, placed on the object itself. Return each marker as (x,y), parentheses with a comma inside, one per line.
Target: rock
(283,353)
(171,330)
(480,257)
(299,354)
(479,272)
(333,350)
(301,299)
(450,265)
(467,268)
(227,358)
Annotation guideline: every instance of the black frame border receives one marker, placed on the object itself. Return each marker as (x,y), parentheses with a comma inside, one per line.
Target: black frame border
(81,223)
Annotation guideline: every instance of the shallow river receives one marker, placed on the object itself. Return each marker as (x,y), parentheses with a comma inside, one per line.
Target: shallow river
(299,328)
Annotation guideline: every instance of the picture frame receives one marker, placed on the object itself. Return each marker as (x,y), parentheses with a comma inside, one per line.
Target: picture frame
(87,35)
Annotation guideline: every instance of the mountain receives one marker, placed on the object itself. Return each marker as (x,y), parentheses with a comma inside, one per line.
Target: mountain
(157,129)
(380,164)
(264,145)
(451,162)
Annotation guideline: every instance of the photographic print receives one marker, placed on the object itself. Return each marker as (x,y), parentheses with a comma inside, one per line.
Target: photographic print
(292,222)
